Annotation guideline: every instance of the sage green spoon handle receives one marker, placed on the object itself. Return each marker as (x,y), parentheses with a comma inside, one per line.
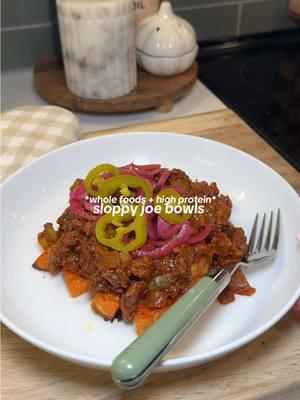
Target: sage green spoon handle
(131,367)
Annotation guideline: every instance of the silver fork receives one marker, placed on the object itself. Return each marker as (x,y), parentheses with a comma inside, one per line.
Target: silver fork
(131,367)
(260,250)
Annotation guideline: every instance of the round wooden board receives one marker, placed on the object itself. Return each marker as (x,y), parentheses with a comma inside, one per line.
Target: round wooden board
(151,91)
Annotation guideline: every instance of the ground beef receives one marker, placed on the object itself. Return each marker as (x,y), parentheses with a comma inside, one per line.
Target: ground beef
(131,298)
(179,178)
(68,222)
(203,189)
(230,245)
(110,271)
(142,268)
(118,278)
(64,253)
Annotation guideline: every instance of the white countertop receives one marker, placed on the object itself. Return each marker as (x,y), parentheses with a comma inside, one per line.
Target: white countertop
(18,90)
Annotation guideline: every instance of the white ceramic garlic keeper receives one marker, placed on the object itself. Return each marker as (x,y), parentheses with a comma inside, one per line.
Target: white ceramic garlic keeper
(166,44)
(98,45)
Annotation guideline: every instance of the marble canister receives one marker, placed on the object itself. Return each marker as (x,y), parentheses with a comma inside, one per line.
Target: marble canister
(98,45)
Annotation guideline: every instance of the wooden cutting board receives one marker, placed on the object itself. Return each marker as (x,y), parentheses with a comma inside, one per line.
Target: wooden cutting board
(223,126)
(151,91)
(268,368)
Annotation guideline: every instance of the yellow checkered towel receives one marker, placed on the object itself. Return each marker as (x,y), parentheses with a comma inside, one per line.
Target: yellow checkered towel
(28,132)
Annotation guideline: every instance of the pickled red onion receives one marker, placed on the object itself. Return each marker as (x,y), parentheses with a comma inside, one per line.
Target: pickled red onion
(156,175)
(148,166)
(131,170)
(200,236)
(166,230)
(151,230)
(164,250)
(162,226)
(163,178)
(80,204)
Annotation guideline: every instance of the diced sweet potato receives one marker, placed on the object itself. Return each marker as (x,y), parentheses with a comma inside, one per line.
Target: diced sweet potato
(43,241)
(42,262)
(48,236)
(110,260)
(106,304)
(200,268)
(75,283)
(145,317)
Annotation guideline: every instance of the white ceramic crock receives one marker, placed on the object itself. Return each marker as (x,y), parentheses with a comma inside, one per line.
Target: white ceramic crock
(166,44)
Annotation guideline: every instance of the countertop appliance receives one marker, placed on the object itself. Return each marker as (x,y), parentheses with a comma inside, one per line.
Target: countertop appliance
(259,78)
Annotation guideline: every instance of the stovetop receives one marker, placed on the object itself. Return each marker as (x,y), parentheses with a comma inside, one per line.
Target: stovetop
(259,78)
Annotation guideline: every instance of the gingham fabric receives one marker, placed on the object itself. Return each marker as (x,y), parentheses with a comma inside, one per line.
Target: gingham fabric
(29,132)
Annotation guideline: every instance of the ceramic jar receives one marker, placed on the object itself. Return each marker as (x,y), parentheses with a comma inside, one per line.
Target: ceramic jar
(98,45)
(166,44)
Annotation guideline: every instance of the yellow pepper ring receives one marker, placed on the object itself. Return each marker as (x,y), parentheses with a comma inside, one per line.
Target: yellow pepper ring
(138,226)
(123,182)
(94,177)
(171,218)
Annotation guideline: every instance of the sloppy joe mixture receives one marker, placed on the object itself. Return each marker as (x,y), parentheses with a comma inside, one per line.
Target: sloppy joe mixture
(136,266)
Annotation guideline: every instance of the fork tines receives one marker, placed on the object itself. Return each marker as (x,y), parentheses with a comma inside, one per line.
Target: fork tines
(257,246)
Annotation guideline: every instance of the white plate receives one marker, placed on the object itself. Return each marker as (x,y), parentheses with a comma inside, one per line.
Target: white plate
(37,307)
